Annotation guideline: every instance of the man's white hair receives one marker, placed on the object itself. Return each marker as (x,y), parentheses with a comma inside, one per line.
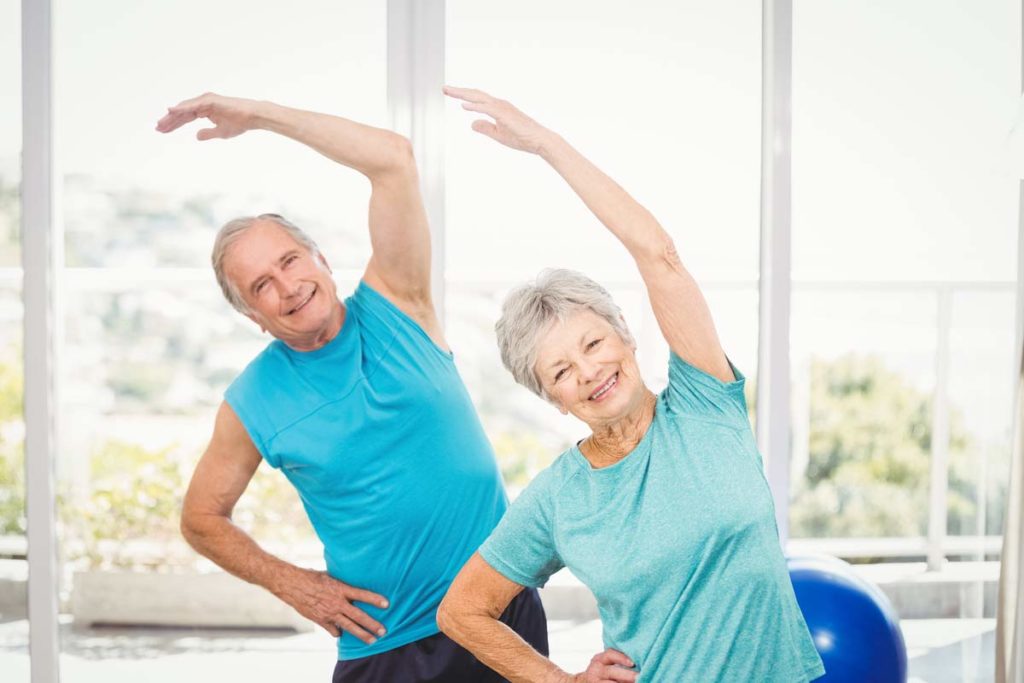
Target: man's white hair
(229,234)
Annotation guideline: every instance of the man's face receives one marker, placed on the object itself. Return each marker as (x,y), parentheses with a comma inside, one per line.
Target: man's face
(288,290)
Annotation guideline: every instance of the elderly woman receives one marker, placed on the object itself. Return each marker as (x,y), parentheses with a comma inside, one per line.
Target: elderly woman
(662,511)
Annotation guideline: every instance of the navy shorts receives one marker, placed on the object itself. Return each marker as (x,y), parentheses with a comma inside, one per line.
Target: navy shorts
(438,658)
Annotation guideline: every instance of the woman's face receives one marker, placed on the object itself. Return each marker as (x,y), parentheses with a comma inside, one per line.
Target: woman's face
(588,370)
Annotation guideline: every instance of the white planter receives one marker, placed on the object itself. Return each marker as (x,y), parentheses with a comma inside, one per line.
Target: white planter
(214,599)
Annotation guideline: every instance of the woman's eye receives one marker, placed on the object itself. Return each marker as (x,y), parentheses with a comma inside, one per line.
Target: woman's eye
(593,343)
(560,374)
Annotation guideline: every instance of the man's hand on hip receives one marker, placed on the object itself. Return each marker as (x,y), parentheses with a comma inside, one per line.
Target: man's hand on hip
(326,601)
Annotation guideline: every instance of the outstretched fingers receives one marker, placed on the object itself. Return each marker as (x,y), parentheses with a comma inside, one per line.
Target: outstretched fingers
(467,94)
(184,112)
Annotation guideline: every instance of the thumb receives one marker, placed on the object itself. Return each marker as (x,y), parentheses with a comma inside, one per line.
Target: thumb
(208,134)
(486,128)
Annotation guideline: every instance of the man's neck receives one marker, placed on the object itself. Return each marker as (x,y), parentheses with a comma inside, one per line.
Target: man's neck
(324,336)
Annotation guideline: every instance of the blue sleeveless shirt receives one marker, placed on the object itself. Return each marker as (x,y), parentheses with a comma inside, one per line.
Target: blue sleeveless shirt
(379,436)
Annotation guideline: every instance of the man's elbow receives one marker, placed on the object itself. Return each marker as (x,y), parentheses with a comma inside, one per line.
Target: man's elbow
(399,158)
(194,528)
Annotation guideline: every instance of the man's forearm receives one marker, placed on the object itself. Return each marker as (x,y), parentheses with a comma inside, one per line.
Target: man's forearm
(220,540)
(369,150)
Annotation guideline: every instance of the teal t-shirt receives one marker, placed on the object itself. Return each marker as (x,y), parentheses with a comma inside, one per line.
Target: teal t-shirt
(677,541)
(379,436)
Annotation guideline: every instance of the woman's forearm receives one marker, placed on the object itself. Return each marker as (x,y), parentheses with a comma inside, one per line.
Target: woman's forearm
(500,648)
(624,217)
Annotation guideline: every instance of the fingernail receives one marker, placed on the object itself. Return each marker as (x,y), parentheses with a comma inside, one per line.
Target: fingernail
(384,604)
(372,641)
(381,631)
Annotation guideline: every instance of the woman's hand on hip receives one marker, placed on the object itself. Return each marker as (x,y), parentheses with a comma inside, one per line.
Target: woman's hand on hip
(610,666)
(510,127)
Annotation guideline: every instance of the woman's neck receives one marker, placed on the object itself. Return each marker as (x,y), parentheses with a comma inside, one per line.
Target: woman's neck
(610,443)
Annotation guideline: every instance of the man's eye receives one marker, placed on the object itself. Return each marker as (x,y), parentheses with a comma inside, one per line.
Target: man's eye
(259,287)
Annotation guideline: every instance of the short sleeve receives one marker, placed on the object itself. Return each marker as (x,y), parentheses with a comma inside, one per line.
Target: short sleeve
(250,413)
(521,548)
(693,391)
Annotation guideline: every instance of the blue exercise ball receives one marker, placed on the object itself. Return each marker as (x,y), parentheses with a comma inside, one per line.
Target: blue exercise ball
(852,622)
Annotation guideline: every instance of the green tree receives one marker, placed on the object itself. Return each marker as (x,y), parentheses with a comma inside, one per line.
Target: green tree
(870,442)
(12,452)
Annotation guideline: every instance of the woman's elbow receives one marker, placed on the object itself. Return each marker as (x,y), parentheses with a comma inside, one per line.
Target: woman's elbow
(448,616)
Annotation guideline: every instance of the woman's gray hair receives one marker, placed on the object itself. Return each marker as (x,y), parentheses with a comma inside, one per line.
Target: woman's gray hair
(530,309)
(229,234)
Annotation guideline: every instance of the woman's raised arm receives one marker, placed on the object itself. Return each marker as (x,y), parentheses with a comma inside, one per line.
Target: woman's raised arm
(678,303)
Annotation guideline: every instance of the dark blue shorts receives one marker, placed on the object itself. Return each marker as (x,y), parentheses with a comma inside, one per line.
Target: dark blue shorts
(438,658)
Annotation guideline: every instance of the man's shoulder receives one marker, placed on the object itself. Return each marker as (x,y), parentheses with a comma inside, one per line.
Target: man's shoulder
(268,361)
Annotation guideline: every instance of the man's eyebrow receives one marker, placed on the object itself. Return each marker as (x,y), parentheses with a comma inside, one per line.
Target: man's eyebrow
(284,257)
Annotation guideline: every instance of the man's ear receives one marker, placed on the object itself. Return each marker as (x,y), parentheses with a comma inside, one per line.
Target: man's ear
(323,260)
(252,317)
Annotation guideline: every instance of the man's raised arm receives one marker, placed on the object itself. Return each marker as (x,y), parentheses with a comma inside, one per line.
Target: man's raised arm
(400,264)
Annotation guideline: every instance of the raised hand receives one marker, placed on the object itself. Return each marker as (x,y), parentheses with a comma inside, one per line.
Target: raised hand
(328,602)
(610,666)
(510,127)
(231,116)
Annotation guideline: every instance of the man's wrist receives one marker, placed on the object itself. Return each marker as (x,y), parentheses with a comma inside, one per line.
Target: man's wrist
(282,579)
(265,115)
(551,145)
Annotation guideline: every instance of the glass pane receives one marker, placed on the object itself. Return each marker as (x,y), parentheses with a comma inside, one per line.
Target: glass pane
(10,133)
(900,114)
(151,367)
(150,344)
(981,385)
(14,660)
(863,377)
(13,565)
(664,97)
(904,243)
(136,197)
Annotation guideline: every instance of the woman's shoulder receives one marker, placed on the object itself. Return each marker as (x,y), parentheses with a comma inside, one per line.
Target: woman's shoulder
(551,481)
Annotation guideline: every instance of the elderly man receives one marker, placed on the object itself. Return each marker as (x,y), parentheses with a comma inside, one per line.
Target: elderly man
(361,407)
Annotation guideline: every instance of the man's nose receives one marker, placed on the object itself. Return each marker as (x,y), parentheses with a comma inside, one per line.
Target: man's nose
(287,287)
